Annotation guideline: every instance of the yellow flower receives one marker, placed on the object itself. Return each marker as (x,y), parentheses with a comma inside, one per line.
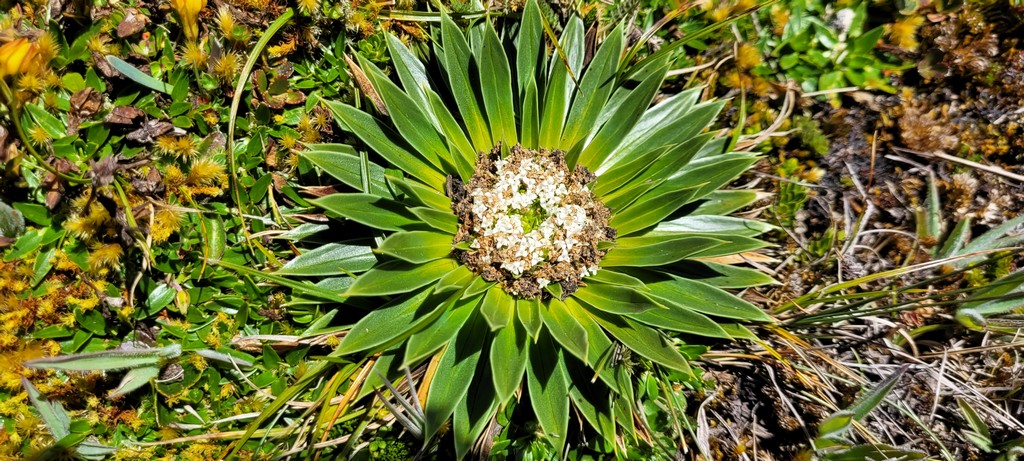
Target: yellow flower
(188,12)
(17,57)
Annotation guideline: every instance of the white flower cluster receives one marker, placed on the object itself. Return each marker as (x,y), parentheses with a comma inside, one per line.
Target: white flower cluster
(527,217)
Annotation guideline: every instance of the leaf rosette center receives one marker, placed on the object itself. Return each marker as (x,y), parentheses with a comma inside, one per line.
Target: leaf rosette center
(529,221)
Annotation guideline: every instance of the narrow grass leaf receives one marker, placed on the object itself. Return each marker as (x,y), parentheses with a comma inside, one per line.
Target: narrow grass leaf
(134,74)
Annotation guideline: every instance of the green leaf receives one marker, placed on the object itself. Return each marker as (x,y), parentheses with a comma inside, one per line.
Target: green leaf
(396,277)
(548,383)
(529,316)
(454,375)
(600,348)
(715,225)
(723,202)
(561,85)
(463,155)
(620,122)
(700,297)
(52,413)
(615,299)
(595,88)
(473,414)
(456,63)
(330,259)
(12,221)
(657,250)
(411,71)
(677,318)
(439,332)
(380,138)
(498,308)
(417,246)
(566,330)
(496,87)
(531,117)
(134,74)
(529,48)
(649,210)
(48,122)
(648,169)
(871,399)
(134,379)
(457,279)
(610,277)
(422,193)
(443,221)
(642,340)
(112,360)
(414,125)
(383,326)
(370,210)
(341,162)
(721,275)
(510,348)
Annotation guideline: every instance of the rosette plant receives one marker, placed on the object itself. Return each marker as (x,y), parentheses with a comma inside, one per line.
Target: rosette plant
(538,214)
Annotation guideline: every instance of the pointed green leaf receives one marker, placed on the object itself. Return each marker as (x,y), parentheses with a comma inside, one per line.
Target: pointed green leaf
(496,86)
(134,379)
(615,129)
(676,318)
(721,275)
(595,88)
(510,348)
(395,320)
(548,383)
(342,162)
(330,259)
(457,64)
(715,224)
(421,193)
(642,340)
(566,330)
(417,246)
(428,340)
(657,250)
(411,71)
(529,47)
(380,138)
(396,277)
(615,299)
(454,375)
(561,85)
(52,413)
(531,117)
(443,221)
(649,210)
(371,210)
(463,154)
(700,297)
(498,308)
(415,126)
(112,360)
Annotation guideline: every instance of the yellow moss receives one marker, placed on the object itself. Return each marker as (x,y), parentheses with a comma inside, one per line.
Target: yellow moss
(38,135)
(226,67)
(226,390)
(85,304)
(106,256)
(903,33)
(747,56)
(165,223)
(194,53)
(198,361)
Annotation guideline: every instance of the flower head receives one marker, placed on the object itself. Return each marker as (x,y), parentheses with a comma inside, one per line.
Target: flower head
(188,13)
(17,57)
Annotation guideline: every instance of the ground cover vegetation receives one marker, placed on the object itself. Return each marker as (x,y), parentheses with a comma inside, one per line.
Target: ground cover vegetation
(640,229)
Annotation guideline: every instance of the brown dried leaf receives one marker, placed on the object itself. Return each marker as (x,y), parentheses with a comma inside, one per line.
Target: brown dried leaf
(124,115)
(150,130)
(133,23)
